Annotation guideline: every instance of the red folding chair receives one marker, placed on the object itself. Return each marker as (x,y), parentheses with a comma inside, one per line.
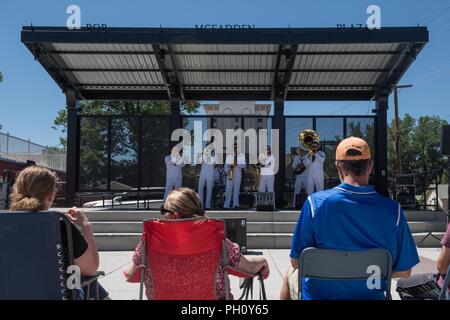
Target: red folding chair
(183,257)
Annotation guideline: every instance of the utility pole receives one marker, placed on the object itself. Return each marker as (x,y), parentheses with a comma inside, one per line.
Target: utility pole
(398,166)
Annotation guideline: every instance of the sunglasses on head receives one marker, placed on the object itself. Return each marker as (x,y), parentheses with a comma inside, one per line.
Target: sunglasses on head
(164,211)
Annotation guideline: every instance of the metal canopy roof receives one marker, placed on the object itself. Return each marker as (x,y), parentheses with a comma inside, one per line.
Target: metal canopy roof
(226,64)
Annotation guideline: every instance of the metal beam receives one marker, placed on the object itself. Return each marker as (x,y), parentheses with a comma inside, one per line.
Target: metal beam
(278,123)
(177,76)
(52,67)
(281,87)
(224,86)
(160,60)
(246,95)
(73,138)
(175,118)
(381,168)
(221,70)
(276,71)
(224,36)
(228,53)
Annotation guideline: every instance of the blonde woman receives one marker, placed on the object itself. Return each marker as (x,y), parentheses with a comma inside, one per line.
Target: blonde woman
(34,190)
(184,203)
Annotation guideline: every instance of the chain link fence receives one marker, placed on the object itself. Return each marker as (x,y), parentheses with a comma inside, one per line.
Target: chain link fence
(21,150)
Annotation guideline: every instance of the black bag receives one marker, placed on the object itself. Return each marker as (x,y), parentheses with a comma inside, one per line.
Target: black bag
(419,287)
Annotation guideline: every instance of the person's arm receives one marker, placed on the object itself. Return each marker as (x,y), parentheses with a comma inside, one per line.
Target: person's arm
(254,264)
(130,274)
(303,234)
(89,261)
(407,256)
(306,160)
(284,293)
(241,161)
(295,162)
(183,161)
(443,261)
(131,270)
(270,162)
(213,160)
(401,274)
(320,156)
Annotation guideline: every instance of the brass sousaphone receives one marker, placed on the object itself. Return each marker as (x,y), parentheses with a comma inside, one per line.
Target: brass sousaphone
(306,138)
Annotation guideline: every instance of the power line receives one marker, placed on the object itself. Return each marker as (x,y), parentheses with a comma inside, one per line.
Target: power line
(438,43)
(343,108)
(440,25)
(441,34)
(438,15)
(430,74)
(433,79)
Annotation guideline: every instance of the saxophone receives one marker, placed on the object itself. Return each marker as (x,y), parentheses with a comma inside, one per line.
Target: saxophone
(261,161)
(230,172)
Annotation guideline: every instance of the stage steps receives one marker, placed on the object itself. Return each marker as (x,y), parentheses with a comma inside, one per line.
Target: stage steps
(121,230)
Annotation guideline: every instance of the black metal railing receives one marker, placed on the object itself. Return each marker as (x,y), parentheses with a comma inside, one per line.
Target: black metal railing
(121,200)
(417,191)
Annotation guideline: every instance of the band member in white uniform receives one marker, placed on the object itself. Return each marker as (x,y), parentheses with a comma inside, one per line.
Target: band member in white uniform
(301,180)
(266,177)
(315,169)
(234,162)
(174,173)
(207,175)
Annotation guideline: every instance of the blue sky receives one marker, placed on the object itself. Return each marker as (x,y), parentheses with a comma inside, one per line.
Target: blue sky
(29,99)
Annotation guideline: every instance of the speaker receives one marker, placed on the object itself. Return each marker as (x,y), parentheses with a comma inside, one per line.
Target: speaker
(264,201)
(236,229)
(445,140)
(246,200)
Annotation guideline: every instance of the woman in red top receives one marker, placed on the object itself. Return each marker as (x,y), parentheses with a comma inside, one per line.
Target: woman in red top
(184,203)
(443,261)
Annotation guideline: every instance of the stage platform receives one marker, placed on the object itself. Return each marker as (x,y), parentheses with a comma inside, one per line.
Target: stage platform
(120,230)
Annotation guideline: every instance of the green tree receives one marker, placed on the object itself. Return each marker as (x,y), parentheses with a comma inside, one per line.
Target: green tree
(126,108)
(125,141)
(1,76)
(420,145)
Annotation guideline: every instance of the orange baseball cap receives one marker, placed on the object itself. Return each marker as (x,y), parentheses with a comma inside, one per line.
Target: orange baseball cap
(353,148)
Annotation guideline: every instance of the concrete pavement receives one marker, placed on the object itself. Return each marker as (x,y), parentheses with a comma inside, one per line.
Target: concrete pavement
(115,262)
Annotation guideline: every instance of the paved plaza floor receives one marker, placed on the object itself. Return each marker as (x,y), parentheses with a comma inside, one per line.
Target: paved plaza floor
(115,262)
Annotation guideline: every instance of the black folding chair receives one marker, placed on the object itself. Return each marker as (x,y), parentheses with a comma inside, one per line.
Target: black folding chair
(344,265)
(34,258)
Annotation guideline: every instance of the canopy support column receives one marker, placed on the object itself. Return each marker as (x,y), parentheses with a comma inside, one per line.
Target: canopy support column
(279,123)
(73,138)
(175,118)
(381,170)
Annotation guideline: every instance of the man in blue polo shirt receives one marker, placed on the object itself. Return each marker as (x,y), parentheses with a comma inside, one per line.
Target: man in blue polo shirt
(352,216)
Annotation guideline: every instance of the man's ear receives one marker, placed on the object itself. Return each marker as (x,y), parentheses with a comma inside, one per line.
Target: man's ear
(370,166)
(50,197)
(339,169)
(337,166)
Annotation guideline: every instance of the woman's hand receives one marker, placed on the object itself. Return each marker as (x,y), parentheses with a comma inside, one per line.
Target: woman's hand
(77,216)
(265,270)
